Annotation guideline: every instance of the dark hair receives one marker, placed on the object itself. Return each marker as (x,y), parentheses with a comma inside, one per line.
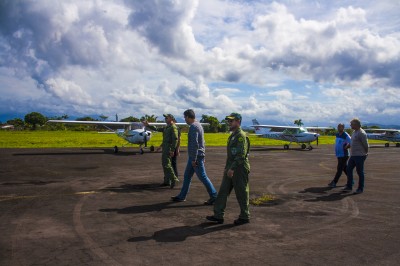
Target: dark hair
(189,113)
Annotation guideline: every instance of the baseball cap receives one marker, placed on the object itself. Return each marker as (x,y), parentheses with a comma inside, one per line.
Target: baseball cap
(169,115)
(234,116)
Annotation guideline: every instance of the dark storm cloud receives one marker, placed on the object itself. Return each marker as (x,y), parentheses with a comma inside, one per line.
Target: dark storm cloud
(163,24)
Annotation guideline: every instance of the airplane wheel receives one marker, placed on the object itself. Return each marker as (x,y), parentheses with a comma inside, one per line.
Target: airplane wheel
(141,151)
(303,146)
(310,148)
(152,148)
(286,147)
(115,149)
(386,145)
(397,144)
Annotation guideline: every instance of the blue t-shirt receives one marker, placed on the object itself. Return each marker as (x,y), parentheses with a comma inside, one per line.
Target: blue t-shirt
(340,143)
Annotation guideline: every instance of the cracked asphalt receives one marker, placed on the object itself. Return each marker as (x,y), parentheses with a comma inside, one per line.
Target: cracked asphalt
(93,207)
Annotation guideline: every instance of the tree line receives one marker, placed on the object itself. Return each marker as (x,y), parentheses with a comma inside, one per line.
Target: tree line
(37,121)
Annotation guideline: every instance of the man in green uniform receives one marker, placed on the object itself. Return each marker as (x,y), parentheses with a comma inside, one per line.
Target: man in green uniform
(169,144)
(236,173)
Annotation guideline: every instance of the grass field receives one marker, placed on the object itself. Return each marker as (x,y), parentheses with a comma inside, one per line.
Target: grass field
(70,139)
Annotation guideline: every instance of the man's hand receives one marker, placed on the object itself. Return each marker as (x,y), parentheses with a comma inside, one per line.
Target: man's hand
(230,173)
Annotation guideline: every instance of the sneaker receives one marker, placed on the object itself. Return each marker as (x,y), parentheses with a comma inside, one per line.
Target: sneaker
(332,184)
(241,221)
(359,191)
(173,183)
(215,219)
(177,199)
(210,201)
(347,189)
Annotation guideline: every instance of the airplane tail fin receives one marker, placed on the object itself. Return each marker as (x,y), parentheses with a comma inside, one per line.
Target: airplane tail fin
(255,122)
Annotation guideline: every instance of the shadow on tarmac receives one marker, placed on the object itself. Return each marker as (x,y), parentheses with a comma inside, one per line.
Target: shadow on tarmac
(180,233)
(81,152)
(150,208)
(128,188)
(325,197)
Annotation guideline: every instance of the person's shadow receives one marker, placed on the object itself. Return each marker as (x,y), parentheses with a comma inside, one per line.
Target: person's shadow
(150,208)
(324,194)
(180,233)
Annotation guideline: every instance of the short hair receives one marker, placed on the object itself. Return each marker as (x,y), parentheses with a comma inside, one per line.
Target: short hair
(189,113)
(341,124)
(356,121)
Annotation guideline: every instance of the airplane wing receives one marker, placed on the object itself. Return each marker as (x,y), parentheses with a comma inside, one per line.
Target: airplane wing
(111,123)
(274,126)
(391,130)
(322,128)
(94,122)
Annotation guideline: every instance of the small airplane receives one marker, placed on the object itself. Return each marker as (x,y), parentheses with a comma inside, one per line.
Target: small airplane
(296,134)
(133,132)
(389,135)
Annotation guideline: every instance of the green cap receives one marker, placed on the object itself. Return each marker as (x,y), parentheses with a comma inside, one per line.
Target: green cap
(234,116)
(169,115)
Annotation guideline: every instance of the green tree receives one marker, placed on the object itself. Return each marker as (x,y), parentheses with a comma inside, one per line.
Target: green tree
(103,117)
(35,119)
(149,118)
(298,122)
(224,126)
(18,123)
(130,119)
(85,118)
(213,121)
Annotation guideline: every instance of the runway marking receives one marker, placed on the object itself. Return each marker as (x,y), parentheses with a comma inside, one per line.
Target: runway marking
(87,240)
(349,209)
(16,197)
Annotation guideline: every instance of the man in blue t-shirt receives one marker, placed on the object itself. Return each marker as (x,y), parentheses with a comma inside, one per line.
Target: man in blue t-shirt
(342,145)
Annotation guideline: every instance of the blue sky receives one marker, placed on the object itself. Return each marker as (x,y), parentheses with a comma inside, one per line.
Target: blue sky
(322,61)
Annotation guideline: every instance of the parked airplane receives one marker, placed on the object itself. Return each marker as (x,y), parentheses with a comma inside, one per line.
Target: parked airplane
(291,134)
(389,135)
(133,132)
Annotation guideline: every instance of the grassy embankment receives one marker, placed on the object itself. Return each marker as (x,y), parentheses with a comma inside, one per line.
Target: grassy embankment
(69,139)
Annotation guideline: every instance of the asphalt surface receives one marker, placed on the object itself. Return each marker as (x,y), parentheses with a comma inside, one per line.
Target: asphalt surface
(93,207)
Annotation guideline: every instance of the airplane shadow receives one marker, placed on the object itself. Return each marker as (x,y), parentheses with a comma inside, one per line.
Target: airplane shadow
(180,233)
(150,208)
(82,152)
(129,188)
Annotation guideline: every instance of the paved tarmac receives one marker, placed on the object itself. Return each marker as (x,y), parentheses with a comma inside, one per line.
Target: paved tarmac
(93,207)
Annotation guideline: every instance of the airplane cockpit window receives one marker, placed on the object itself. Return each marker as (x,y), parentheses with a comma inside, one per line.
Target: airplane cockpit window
(302,130)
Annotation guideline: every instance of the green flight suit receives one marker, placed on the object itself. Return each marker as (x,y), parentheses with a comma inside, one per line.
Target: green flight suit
(170,141)
(237,160)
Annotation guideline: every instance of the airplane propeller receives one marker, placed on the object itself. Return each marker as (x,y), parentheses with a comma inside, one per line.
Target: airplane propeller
(145,137)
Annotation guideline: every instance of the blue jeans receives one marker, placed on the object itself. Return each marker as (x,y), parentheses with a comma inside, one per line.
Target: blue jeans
(201,174)
(358,163)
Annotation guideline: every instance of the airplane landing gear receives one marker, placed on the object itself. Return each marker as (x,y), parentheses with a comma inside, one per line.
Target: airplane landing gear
(152,148)
(286,147)
(303,146)
(115,149)
(386,145)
